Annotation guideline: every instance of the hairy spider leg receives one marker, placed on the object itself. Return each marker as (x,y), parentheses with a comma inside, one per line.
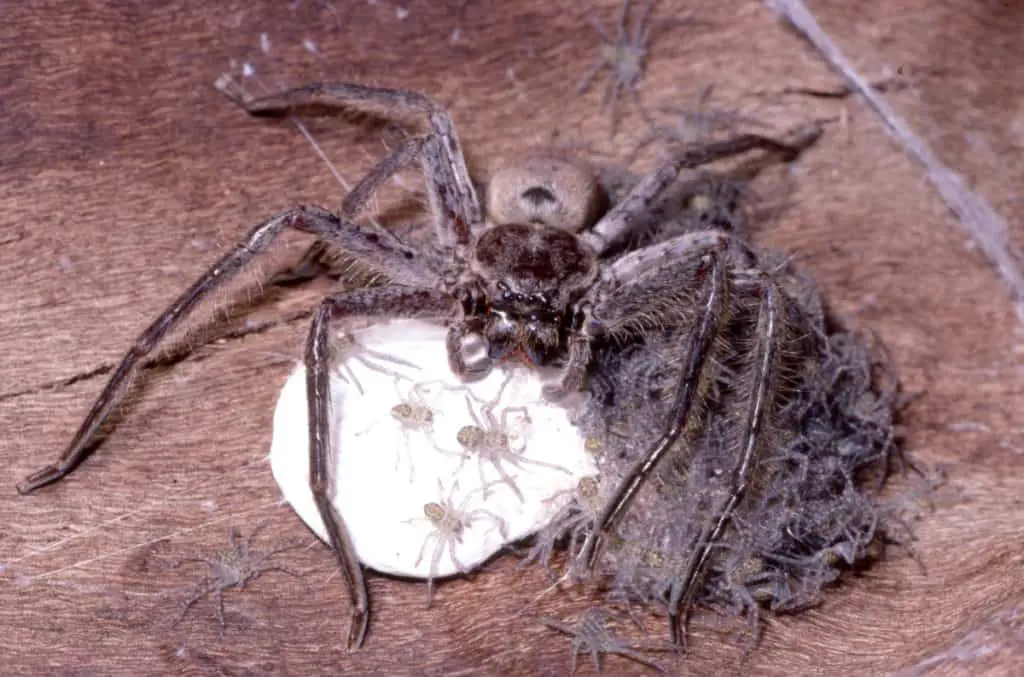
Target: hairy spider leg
(308,219)
(314,261)
(701,340)
(615,228)
(453,198)
(769,328)
(397,301)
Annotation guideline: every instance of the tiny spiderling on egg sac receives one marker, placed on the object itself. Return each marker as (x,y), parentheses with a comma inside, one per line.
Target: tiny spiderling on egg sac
(382,503)
(648,389)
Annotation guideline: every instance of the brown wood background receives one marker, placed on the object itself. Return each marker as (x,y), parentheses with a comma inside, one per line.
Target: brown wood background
(123,174)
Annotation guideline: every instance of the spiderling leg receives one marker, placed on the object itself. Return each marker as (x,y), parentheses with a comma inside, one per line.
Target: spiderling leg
(591,633)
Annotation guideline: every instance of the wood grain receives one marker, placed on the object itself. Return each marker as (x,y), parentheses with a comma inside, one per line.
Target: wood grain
(123,174)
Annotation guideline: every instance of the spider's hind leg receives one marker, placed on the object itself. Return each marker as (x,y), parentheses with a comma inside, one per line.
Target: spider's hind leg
(453,196)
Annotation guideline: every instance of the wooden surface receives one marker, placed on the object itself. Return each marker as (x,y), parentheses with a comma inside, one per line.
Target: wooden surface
(123,174)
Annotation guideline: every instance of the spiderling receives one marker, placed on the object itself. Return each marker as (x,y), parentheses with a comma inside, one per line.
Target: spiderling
(232,568)
(592,632)
(624,55)
(450,522)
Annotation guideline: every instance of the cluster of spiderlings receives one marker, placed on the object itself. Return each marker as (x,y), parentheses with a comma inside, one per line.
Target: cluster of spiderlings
(811,508)
(707,202)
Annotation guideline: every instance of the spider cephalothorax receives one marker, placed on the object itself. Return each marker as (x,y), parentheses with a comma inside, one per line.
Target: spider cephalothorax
(527,267)
(531,275)
(550,272)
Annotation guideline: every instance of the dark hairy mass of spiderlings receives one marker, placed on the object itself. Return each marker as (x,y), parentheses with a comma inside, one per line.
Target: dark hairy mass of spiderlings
(810,507)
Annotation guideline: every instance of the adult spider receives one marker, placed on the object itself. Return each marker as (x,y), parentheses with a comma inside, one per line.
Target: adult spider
(538,279)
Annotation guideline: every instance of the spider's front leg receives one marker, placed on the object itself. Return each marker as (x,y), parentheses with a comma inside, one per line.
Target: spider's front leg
(395,301)
(761,372)
(646,300)
(307,219)
(645,290)
(637,292)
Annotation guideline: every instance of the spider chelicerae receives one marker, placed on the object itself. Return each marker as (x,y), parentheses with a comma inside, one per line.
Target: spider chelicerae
(541,270)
